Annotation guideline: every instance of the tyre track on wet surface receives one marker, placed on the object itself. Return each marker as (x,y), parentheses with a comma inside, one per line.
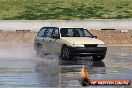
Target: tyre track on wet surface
(20,68)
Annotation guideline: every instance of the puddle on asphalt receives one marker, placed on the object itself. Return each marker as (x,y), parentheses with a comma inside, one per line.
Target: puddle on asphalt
(20,68)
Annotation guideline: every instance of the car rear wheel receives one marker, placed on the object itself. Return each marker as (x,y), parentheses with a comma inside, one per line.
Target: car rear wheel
(98,58)
(40,51)
(65,53)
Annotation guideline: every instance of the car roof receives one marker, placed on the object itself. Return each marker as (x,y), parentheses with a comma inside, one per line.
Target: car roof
(49,27)
(72,28)
(63,28)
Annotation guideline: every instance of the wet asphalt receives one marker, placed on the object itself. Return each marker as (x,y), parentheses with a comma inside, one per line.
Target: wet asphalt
(21,68)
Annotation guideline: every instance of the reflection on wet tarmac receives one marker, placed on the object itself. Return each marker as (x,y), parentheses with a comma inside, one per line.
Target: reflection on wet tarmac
(17,71)
(63,71)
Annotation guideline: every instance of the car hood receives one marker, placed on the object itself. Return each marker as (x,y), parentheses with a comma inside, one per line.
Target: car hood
(82,40)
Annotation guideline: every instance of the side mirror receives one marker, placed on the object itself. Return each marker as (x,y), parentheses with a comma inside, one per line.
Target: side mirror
(95,36)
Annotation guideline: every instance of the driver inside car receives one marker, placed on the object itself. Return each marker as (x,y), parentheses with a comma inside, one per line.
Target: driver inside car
(55,33)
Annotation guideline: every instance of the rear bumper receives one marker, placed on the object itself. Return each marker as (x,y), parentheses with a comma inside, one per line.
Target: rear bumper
(88,51)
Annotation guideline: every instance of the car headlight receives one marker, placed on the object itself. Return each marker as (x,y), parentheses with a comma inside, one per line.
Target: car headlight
(78,45)
(101,45)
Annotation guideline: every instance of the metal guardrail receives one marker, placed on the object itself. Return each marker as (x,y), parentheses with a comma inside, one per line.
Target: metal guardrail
(22,30)
(108,29)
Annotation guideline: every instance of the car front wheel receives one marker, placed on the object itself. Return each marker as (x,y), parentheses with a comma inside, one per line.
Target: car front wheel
(65,53)
(98,58)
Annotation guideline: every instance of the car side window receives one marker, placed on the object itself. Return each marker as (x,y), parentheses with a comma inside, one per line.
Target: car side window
(48,32)
(41,32)
(55,32)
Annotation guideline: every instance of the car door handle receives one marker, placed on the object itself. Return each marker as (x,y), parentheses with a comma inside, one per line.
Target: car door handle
(43,39)
(50,40)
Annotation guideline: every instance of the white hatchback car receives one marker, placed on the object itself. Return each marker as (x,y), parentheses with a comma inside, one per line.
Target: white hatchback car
(69,42)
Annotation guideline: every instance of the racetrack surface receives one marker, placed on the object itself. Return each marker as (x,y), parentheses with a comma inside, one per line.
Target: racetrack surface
(20,68)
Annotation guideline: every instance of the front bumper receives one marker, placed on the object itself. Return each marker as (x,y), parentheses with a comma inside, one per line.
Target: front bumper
(88,51)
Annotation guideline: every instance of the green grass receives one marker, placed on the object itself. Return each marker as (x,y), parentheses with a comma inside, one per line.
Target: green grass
(65,9)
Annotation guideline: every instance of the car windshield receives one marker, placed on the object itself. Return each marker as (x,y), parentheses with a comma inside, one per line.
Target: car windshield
(75,32)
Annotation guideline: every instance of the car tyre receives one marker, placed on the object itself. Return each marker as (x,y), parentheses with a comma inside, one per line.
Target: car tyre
(37,50)
(66,53)
(40,51)
(98,58)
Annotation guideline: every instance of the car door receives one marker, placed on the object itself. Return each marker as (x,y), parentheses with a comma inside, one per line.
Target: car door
(47,40)
(39,38)
(50,44)
(55,41)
